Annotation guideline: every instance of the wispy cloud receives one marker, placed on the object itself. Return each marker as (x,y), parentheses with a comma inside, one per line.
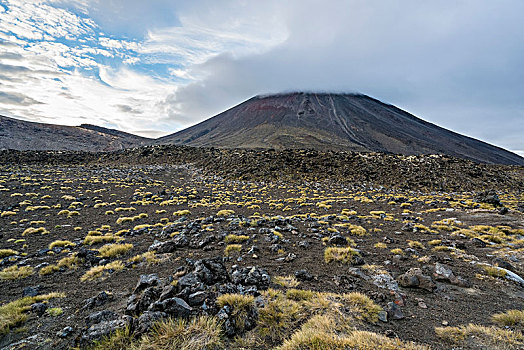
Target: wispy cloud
(156,66)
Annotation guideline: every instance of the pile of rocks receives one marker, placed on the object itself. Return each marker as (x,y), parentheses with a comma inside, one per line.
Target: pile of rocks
(193,294)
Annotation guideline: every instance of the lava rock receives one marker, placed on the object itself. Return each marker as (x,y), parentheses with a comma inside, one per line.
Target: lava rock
(175,307)
(30,291)
(303,275)
(147,320)
(103,329)
(394,312)
(101,316)
(98,300)
(146,281)
(414,278)
(38,308)
(64,333)
(251,276)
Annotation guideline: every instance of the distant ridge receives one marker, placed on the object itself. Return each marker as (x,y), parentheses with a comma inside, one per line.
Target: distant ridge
(329,121)
(23,135)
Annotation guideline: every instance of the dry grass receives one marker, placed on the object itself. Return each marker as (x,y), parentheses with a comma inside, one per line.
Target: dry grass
(510,318)
(286,281)
(240,305)
(92,239)
(199,333)
(235,238)
(147,257)
(49,269)
(494,271)
(7,252)
(344,255)
(60,243)
(112,250)
(232,248)
(480,337)
(322,332)
(181,212)
(225,212)
(102,271)
(15,272)
(33,230)
(13,314)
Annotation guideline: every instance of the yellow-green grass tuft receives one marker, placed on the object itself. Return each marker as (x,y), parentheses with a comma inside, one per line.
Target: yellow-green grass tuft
(112,250)
(236,238)
(14,314)
(339,254)
(16,272)
(102,271)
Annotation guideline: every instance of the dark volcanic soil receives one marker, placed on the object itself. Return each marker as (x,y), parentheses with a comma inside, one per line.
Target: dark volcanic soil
(411,208)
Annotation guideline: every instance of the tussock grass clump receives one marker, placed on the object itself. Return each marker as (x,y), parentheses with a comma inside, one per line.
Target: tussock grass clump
(240,306)
(7,252)
(338,254)
(494,271)
(286,281)
(60,243)
(196,334)
(481,337)
(49,269)
(235,238)
(354,230)
(102,271)
(92,239)
(509,318)
(13,314)
(112,250)
(326,333)
(225,212)
(299,294)
(55,311)
(416,244)
(147,257)
(232,248)
(7,213)
(123,219)
(181,213)
(70,262)
(16,272)
(32,230)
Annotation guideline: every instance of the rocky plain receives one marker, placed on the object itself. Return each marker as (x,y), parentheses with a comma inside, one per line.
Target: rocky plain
(170,247)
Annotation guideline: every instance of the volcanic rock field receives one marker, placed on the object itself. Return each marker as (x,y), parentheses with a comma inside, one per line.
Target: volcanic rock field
(171,247)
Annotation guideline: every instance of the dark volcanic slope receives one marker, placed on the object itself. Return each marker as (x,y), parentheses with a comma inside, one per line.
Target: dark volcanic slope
(333,122)
(23,135)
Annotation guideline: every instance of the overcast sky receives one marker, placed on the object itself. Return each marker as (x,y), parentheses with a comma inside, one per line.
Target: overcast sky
(154,67)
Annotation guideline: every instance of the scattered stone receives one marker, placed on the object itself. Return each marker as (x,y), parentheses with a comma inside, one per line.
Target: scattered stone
(383,316)
(303,275)
(338,239)
(101,316)
(146,281)
(98,300)
(38,308)
(385,281)
(489,197)
(175,307)
(394,311)
(414,278)
(147,320)
(251,276)
(103,329)
(64,333)
(30,291)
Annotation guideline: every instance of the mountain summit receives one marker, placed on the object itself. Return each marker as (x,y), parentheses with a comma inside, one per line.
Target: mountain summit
(328,121)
